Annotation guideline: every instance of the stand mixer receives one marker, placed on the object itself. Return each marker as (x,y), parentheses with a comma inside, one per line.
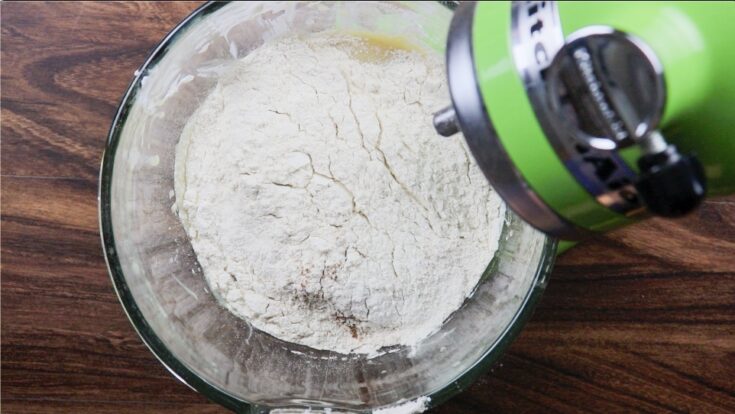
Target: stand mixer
(589,116)
(558,103)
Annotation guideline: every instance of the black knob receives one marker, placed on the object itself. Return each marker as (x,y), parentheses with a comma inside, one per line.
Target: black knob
(671,184)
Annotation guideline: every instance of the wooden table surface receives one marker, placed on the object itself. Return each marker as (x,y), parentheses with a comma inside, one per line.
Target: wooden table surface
(641,320)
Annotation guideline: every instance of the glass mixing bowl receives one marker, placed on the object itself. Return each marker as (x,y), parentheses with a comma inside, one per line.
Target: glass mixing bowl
(160,285)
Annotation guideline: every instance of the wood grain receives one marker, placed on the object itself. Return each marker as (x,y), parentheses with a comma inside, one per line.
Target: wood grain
(642,320)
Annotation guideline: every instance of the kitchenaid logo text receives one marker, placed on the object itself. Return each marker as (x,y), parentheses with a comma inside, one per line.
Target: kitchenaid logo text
(600,162)
(539,20)
(586,68)
(537,38)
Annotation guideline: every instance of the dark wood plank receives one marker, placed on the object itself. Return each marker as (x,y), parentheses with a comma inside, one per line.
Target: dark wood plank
(67,346)
(55,406)
(64,69)
(64,336)
(642,320)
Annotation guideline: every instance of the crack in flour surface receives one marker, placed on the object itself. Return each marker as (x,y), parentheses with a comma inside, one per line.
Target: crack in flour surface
(322,206)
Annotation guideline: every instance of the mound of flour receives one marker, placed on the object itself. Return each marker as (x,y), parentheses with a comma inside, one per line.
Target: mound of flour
(322,206)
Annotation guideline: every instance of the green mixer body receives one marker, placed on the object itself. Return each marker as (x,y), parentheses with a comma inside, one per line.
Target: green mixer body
(693,42)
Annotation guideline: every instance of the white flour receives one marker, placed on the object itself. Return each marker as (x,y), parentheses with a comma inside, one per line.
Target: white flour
(418,405)
(322,206)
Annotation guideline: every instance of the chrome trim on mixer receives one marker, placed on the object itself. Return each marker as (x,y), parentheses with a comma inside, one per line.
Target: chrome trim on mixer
(537,37)
(445,122)
(630,109)
(482,138)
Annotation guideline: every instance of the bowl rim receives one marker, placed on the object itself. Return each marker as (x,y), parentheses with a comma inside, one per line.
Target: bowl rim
(154,343)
